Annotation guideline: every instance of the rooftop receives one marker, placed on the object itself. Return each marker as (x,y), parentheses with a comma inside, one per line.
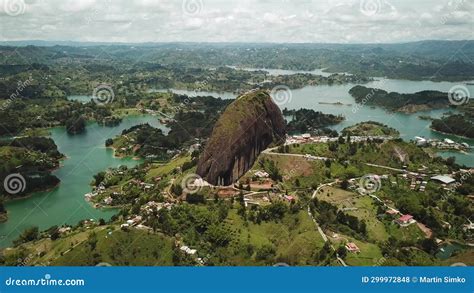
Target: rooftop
(443,178)
(405,218)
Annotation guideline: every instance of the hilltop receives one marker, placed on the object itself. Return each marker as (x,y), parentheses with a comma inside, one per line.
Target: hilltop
(370,128)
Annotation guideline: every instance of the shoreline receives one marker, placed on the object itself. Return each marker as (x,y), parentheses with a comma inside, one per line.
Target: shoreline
(135,158)
(451,134)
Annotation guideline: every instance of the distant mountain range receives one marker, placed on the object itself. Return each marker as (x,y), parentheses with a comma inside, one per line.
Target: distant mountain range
(434,60)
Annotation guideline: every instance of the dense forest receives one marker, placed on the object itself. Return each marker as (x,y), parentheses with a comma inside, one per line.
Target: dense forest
(308,120)
(30,159)
(393,101)
(454,124)
(416,60)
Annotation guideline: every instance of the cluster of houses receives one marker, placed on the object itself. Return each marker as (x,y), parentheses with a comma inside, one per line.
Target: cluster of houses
(143,185)
(107,200)
(132,221)
(402,220)
(152,206)
(446,143)
(418,180)
(307,138)
(101,189)
(469,226)
(64,229)
(194,147)
(97,190)
(193,253)
(188,250)
(261,174)
(355,184)
(131,145)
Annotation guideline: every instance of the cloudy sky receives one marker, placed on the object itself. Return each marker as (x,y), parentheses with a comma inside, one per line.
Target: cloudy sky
(335,21)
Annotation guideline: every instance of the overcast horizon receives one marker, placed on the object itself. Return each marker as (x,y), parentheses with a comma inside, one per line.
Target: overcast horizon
(246,21)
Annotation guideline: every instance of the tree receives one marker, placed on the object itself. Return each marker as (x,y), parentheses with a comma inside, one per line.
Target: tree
(195,198)
(218,235)
(92,240)
(363,227)
(273,171)
(29,234)
(327,163)
(2,206)
(352,149)
(176,189)
(266,253)
(429,245)
(297,182)
(99,178)
(276,211)
(333,146)
(345,184)
(241,198)
(223,211)
(324,252)
(53,232)
(451,161)
(76,124)
(342,251)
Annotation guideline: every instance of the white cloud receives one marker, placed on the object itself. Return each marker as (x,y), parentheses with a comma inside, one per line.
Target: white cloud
(238,21)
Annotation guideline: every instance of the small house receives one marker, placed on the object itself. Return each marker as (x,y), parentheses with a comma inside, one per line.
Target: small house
(352,247)
(405,220)
(289,197)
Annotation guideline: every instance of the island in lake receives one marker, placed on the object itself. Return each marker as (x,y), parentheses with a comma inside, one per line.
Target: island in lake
(407,103)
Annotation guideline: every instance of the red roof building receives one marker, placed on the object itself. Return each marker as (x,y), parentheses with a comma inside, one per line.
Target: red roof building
(352,247)
(405,220)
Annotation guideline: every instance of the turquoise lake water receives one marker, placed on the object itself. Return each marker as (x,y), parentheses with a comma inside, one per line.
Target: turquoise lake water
(65,204)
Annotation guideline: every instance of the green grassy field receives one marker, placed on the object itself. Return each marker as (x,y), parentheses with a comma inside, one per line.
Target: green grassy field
(117,247)
(362,207)
(163,169)
(295,237)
